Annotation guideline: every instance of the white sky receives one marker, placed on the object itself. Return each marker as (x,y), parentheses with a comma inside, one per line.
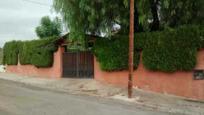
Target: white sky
(18,18)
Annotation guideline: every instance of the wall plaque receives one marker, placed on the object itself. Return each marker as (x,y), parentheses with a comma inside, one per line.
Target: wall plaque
(198,75)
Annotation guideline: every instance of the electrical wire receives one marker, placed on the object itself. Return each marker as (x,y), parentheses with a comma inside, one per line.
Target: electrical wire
(38,3)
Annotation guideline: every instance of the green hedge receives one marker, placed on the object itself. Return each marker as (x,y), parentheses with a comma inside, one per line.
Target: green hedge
(10,52)
(113,53)
(168,51)
(42,58)
(35,52)
(201,33)
(172,50)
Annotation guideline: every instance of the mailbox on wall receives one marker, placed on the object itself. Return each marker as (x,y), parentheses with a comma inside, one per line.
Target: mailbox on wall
(198,75)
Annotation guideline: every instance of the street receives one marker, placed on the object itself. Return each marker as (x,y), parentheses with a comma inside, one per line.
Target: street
(19,99)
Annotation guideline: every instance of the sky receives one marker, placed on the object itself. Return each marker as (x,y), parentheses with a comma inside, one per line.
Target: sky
(19,18)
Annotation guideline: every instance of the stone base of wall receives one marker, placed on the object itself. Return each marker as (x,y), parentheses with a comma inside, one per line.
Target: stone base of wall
(178,83)
(29,70)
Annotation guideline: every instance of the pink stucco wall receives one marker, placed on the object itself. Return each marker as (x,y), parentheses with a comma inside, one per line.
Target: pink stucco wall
(53,72)
(178,83)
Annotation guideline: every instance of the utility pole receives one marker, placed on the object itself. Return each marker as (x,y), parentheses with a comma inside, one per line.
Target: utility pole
(131,50)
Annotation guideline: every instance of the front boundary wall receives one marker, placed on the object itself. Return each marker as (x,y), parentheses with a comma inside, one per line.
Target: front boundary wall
(178,83)
(29,70)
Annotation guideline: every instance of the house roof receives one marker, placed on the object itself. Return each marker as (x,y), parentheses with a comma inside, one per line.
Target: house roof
(62,40)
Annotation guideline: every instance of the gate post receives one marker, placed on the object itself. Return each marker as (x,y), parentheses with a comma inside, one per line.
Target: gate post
(77,64)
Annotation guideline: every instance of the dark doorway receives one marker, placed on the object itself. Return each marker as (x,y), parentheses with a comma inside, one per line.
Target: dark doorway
(78,64)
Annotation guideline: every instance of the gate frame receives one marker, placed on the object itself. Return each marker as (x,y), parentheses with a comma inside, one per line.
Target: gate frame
(77,70)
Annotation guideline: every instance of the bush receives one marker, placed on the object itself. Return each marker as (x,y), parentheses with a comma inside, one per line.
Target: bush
(172,50)
(25,53)
(113,53)
(42,58)
(201,34)
(31,48)
(10,52)
(35,52)
(168,51)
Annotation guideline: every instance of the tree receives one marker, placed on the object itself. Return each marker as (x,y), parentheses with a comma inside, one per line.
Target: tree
(94,17)
(100,16)
(91,16)
(157,14)
(49,28)
(155,25)
(179,12)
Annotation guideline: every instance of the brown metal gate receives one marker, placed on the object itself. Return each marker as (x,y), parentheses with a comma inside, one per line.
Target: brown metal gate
(78,64)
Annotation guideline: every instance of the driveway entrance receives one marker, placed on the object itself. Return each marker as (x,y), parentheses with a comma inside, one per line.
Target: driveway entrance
(78,64)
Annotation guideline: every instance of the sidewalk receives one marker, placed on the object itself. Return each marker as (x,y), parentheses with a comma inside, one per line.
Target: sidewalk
(90,87)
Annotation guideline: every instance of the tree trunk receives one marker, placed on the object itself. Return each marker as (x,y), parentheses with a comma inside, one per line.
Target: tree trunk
(155,25)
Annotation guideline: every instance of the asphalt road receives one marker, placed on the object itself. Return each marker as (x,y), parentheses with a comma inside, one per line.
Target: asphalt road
(19,99)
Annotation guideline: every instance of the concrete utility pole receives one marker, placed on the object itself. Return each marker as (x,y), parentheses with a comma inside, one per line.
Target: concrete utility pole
(131,49)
